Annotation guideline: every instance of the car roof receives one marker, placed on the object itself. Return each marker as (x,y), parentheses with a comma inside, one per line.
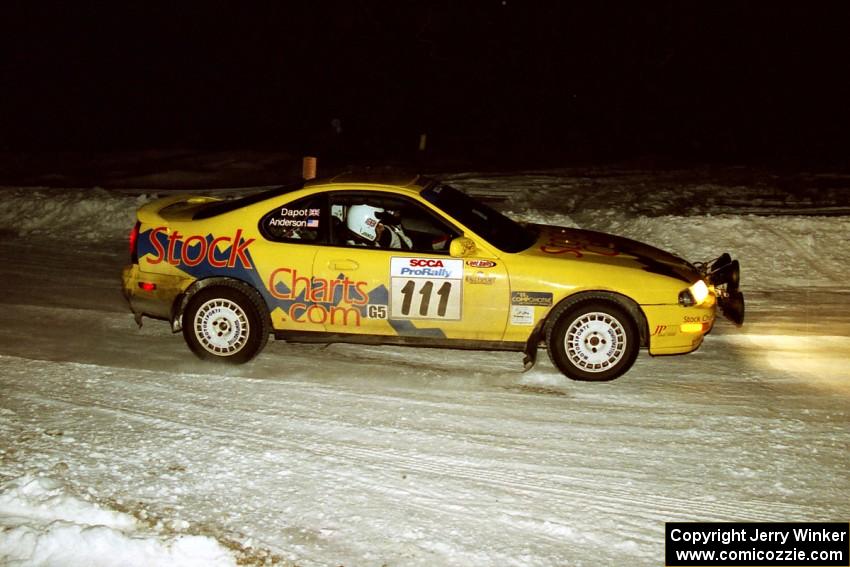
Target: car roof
(390,178)
(387,178)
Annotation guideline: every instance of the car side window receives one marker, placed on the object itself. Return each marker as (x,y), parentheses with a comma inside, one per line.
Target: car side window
(299,221)
(377,220)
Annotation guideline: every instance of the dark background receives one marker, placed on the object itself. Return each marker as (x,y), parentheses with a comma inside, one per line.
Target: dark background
(488,81)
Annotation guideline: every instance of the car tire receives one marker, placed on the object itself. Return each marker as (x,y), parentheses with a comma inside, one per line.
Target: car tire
(225,324)
(592,340)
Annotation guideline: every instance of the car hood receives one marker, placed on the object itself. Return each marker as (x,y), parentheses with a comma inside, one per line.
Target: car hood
(575,244)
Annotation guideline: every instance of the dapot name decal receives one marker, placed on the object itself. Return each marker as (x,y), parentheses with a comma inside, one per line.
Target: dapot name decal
(426,288)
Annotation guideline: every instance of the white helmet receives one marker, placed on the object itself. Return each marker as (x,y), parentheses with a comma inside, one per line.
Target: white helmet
(363,220)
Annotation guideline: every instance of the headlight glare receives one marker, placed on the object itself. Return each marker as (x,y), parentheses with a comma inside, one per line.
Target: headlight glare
(699,291)
(697,294)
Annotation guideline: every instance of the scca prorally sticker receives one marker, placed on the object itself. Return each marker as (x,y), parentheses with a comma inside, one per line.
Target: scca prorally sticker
(426,288)
(532,298)
(446,268)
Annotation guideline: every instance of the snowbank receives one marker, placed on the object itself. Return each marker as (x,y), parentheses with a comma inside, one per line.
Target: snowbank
(43,525)
(69,214)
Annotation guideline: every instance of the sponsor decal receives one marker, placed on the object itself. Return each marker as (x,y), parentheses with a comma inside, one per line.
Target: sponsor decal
(374,311)
(663,331)
(319,290)
(296,218)
(426,288)
(697,319)
(287,212)
(562,245)
(192,250)
(559,243)
(318,300)
(522,315)
(443,268)
(481,263)
(531,298)
(480,278)
(288,223)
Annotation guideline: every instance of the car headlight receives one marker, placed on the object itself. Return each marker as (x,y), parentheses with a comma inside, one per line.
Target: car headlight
(694,295)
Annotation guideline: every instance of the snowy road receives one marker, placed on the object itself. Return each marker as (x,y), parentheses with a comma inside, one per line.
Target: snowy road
(379,455)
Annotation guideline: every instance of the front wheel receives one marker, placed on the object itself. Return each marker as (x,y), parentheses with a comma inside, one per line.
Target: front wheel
(592,340)
(223,324)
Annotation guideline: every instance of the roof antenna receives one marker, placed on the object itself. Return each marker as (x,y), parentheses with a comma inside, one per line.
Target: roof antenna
(308,167)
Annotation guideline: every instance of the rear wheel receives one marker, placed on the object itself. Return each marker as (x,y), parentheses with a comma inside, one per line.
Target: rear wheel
(224,324)
(592,340)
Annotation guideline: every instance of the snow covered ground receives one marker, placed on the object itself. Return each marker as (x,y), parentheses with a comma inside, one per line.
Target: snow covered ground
(118,446)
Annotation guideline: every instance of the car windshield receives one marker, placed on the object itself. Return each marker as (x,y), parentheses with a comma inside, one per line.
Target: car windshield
(497,229)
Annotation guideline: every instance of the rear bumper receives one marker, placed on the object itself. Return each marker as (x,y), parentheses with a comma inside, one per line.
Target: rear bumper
(150,294)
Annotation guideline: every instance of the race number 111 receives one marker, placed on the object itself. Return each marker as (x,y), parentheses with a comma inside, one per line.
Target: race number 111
(420,298)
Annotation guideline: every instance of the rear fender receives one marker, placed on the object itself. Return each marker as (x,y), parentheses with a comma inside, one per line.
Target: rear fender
(182,301)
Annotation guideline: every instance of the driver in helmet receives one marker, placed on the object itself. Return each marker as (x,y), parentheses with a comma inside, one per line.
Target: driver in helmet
(374,226)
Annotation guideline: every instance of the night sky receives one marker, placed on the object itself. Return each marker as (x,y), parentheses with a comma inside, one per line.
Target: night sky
(730,81)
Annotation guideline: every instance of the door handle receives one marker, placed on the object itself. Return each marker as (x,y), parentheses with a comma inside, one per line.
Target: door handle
(343,265)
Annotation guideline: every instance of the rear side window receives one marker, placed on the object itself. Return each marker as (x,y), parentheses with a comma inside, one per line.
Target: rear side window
(220,207)
(299,221)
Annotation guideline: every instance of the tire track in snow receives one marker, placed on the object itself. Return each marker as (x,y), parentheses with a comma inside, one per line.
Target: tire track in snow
(812,260)
(634,507)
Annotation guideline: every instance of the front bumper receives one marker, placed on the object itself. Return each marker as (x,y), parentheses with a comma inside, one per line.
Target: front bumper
(678,329)
(674,329)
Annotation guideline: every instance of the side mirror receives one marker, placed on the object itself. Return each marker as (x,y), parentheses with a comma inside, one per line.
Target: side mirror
(462,247)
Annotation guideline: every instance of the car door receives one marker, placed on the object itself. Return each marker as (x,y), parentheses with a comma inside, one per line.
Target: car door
(409,291)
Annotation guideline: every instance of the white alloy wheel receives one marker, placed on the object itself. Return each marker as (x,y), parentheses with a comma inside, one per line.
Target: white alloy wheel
(592,338)
(221,327)
(595,342)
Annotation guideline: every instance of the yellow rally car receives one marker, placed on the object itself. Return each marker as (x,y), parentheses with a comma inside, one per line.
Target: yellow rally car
(416,262)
